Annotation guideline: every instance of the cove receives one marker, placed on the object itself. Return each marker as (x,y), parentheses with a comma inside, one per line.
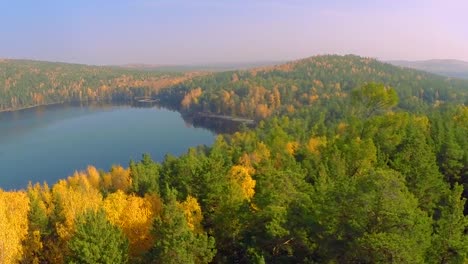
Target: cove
(48,143)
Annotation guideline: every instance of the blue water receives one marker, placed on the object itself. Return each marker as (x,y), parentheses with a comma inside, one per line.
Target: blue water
(51,142)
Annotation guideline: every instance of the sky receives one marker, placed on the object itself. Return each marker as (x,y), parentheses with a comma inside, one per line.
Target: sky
(104,32)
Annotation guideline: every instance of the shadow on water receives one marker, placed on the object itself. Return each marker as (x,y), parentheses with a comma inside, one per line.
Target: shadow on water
(43,116)
(216,125)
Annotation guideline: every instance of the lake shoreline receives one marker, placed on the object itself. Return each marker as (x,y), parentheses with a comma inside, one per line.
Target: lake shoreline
(9,110)
(217,123)
(52,142)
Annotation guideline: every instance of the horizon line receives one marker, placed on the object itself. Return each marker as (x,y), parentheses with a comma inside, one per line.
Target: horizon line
(222,63)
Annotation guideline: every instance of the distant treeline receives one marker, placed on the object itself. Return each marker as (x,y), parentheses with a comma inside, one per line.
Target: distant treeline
(30,83)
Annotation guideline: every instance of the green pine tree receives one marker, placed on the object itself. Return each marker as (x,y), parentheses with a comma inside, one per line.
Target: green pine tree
(450,242)
(96,240)
(175,241)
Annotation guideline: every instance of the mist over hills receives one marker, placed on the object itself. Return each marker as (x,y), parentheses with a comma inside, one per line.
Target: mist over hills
(450,68)
(445,67)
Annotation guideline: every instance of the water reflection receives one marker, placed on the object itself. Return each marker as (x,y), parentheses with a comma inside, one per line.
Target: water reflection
(51,142)
(217,125)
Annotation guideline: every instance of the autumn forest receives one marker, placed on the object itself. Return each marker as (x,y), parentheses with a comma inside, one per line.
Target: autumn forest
(351,160)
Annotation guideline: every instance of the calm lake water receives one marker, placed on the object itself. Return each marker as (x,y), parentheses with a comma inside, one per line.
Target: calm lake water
(51,142)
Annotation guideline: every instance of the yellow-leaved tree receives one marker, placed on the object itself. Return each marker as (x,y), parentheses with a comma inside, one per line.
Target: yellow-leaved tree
(315,143)
(73,198)
(117,179)
(193,213)
(14,208)
(135,216)
(94,177)
(241,178)
(292,147)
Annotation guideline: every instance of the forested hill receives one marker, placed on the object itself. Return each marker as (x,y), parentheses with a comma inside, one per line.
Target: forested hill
(263,91)
(257,92)
(26,83)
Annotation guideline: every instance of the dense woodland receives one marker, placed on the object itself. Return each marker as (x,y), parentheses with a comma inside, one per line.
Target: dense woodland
(31,83)
(263,92)
(352,161)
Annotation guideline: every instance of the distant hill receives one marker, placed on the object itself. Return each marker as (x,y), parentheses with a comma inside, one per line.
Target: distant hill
(213,67)
(450,68)
(251,92)
(261,92)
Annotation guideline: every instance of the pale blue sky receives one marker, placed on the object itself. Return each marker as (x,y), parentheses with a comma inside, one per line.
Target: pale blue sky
(213,31)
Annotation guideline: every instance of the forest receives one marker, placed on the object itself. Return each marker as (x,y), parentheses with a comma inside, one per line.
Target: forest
(262,92)
(352,161)
(26,83)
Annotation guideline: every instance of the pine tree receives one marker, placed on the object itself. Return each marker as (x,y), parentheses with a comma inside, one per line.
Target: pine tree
(450,242)
(145,176)
(176,242)
(96,240)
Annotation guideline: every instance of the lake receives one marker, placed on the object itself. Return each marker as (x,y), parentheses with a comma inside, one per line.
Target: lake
(48,143)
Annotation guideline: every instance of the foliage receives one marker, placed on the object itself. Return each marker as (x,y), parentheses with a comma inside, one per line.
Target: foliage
(145,176)
(14,208)
(30,83)
(176,239)
(96,240)
(134,215)
(374,98)
(320,80)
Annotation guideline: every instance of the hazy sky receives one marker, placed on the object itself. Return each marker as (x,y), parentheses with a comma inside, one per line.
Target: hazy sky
(211,31)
